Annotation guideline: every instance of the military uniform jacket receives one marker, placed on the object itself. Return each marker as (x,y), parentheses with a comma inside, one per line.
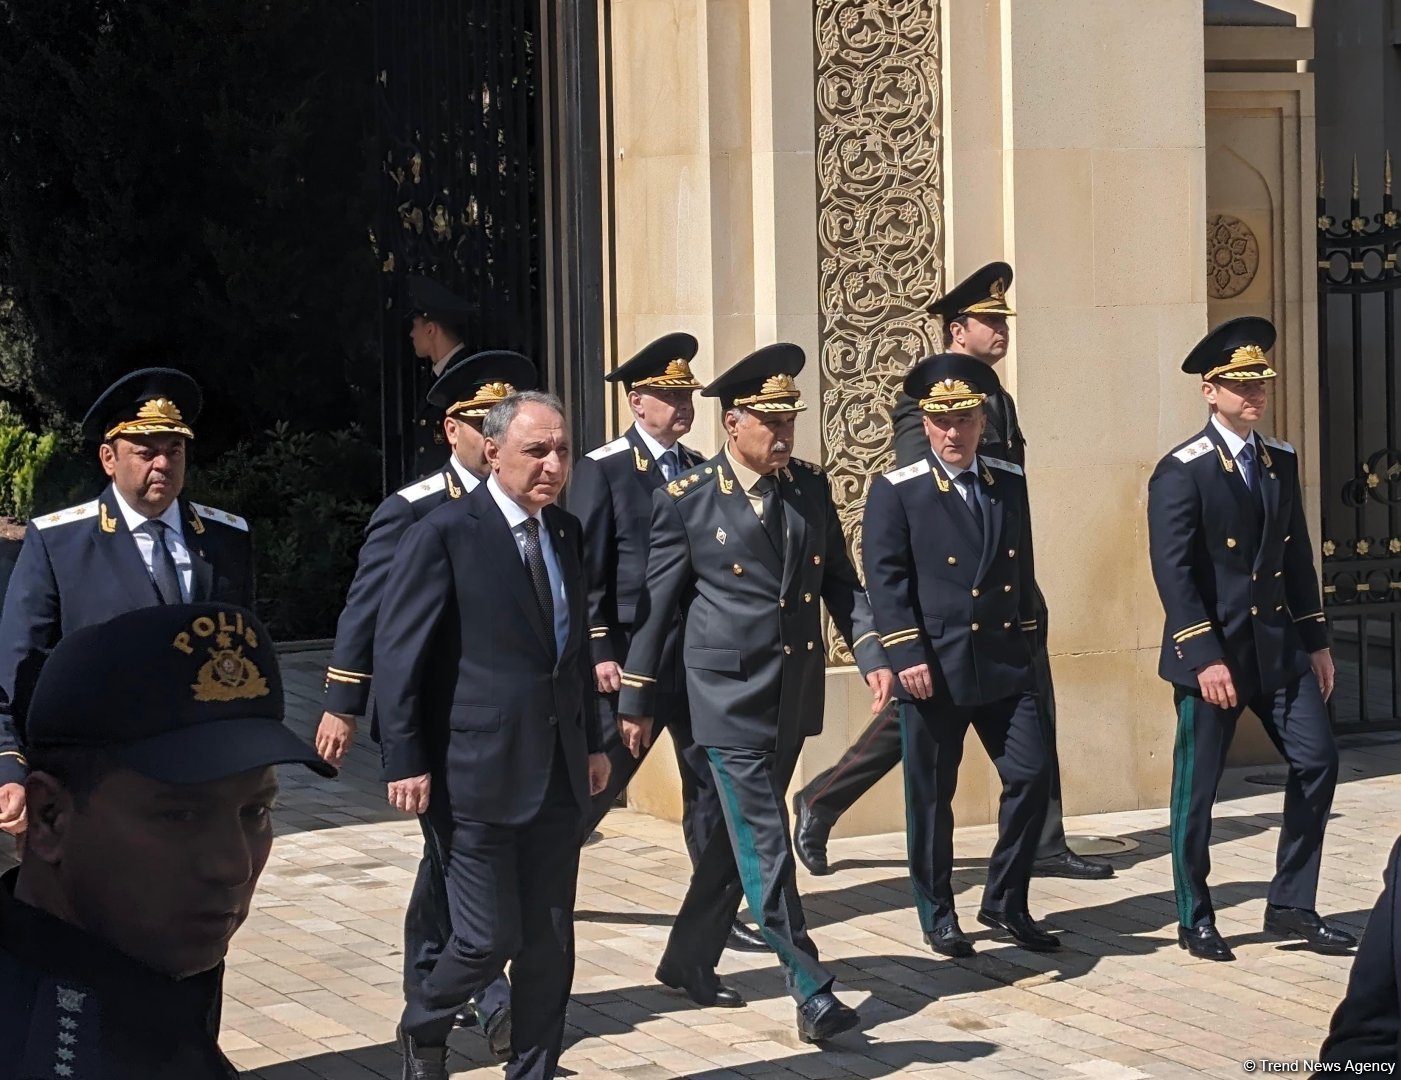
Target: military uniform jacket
(944,595)
(81,566)
(484,720)
(1002,438)
(74,1008)
(611,494)
(1236,577)
(752,641)
(430,445)
(348,676)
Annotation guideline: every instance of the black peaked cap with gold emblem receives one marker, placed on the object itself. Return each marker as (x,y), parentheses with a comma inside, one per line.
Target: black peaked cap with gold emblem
(984,292)
(665,364)
(181,693)
(471,387)
(951,382)
(150,401)
(762,381)
(1234,351)
(424,296)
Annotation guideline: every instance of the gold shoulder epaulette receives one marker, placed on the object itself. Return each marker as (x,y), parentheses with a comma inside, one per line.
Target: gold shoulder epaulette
(64,517)
(693,479)
(808,465)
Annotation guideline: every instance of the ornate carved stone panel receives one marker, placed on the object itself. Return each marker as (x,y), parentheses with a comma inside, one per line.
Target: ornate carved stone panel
(880,229)
(1232,256)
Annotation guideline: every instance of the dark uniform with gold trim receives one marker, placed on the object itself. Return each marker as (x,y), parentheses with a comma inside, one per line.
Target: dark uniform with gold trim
(755,664)
(950,574)
(427,299)
(611,494)
(81,565)
(1234,569)
(466,391)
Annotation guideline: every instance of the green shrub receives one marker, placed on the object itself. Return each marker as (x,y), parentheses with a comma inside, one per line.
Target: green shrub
(307,496)
(25,457)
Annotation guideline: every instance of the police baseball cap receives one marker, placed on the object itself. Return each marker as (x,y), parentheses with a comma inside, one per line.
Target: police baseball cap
(181,693)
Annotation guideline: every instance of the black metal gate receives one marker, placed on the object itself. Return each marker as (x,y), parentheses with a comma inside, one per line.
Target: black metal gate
(1358,282)
(487,132)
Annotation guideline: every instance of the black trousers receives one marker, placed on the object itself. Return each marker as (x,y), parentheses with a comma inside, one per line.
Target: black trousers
(877,750)
(700,802)
(1296,720)
(934,732)
(752,858)
(510,893)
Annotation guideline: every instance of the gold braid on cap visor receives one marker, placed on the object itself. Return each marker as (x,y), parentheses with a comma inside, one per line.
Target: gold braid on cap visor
(1246,363)
(677,376)
(995,304)
(950,395)
(158,416)
(778,394)
(488,394)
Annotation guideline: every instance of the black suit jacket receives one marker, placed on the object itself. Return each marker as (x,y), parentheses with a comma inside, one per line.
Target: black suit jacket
(349,674)
(81,566)
(1235,585)
(468,685)
(943,594)
(611,494)
(1367,1023)
(752,640)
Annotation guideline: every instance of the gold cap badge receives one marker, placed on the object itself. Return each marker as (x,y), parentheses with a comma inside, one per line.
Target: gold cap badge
(949,396)
(481,402)
(1247,363)
(779,394)
(676,376)
(157,416)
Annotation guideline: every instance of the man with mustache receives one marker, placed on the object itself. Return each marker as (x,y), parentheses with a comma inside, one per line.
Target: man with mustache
(153,740)
(744,547)
(139,543)
(975,315)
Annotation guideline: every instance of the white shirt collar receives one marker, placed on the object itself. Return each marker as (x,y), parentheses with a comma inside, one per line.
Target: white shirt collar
(656,448)
(468,478)
(512,510)
(953,472)
(1234,443)
(442,365)
(135,519)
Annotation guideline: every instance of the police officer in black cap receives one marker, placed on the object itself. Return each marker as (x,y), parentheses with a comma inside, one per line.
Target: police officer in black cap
(1244,628)
(744,547)
(949,569)
(139,543)
(611,493)
(438,327)
(974,314)
(152,739)
(464,393)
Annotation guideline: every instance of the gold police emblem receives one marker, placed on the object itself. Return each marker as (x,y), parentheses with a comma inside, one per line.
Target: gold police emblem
(228,675)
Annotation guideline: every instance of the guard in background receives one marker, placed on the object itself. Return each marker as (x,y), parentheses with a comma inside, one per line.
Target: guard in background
(438,325)
(950,572)
(744,547)
(139,543)
(114,927)
(464,394)
(611,494)
(1244,629)
(974,314)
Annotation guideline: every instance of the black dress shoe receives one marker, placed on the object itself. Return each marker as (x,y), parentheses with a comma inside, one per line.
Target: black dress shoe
(497,1029)
(949,941)
(421,1062)
(593,838)
(700,985)
(810,838)
(822,1016)
(1204,943)
(1287,922)
(1068,864)
(1022,927)
(744,939)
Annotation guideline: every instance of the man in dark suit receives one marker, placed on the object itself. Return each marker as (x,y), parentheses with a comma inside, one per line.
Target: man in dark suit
(465,393)
(437,326)
(974,314)
(951,576)
(611,493)
(1244,629)
(139,543)
(744,547)
(1366,1026)
(494,736)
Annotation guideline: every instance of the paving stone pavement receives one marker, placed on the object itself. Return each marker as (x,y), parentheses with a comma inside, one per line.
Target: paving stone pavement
(313,985)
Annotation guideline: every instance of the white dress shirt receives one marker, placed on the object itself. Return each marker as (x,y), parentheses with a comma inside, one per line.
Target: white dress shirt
(515,519)
(657,450)
(174,541)
(957,476)
(450,357)
(468,478)
(1235,444)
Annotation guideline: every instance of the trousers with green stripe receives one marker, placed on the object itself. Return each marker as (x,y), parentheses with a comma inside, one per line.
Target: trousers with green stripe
(752,857)
(1296,721)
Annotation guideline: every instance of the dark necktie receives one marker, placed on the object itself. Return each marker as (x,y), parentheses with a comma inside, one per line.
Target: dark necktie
(668,464)
(970,497)
(773,512)
(1246,460)
(539,575)
(163,571)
